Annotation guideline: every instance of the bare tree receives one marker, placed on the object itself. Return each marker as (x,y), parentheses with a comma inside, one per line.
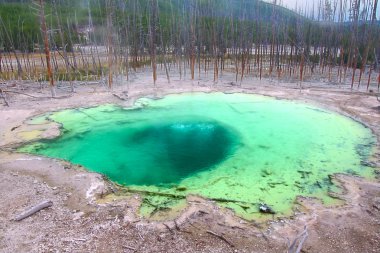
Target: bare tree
(45,37)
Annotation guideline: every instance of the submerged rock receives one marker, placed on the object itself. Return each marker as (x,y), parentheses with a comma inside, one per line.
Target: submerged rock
(264,208)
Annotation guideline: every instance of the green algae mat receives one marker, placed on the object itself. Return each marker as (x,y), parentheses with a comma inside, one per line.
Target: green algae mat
(237,149)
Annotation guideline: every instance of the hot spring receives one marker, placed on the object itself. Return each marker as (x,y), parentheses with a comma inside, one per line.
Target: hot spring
(237,149)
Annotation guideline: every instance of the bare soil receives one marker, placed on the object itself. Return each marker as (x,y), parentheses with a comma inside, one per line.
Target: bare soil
(86,217)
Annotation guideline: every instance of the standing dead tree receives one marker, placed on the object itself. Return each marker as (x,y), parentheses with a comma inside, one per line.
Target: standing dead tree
(109,11)
(176,35)
(45,37)
(369,45)
(152,37)
(12,45)
(64,46)
(192,41)
(355,9)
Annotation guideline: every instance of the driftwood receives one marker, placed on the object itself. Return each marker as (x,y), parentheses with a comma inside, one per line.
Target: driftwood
(129,247)
(300,239)
(34,210)
(14,128)
(17,92)
(120,97)
(21,93)
(28,95)
(221,238)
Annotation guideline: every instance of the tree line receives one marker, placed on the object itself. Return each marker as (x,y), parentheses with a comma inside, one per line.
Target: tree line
(106,38)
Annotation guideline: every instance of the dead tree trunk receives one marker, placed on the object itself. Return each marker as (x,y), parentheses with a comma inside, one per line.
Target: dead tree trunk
(152,38)
(369,44)
(109,43)
(46,46)
(65,56)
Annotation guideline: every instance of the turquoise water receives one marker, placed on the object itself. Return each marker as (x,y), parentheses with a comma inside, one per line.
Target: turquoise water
(239,148)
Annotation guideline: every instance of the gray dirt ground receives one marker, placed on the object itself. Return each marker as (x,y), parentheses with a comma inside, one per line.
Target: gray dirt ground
(78,223)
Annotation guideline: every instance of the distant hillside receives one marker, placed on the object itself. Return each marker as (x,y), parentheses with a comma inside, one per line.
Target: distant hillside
(19,18)
(242,9)
(19,22)
(247,9)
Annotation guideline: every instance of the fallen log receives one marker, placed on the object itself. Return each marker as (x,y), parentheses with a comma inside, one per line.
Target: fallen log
(183,196)
(221,238)
(129,247)
(300,240)
(120,97)
(20,93)
(28,95)
(34,210)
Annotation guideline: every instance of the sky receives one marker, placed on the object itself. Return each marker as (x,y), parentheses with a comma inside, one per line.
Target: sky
(293,4)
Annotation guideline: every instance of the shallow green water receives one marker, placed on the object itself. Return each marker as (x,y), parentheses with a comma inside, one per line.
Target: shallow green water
(237,147)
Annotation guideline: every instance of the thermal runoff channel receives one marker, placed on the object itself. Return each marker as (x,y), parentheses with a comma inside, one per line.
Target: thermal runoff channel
(239,148)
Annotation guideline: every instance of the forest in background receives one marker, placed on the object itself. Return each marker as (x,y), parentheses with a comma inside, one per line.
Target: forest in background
(104,38)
